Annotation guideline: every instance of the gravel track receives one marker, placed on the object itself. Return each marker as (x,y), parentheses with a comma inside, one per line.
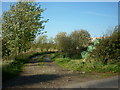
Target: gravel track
(48,75)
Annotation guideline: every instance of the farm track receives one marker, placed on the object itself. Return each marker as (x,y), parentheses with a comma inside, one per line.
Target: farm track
(49,75)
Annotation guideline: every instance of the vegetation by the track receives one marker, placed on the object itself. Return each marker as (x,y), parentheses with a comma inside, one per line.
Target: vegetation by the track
(85,66)
(14,67)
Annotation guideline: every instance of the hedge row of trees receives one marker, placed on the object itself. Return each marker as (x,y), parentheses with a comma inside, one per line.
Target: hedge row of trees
(108,48)
(43,43)
(73,44)
(78,44)
(23,22)
(20,26)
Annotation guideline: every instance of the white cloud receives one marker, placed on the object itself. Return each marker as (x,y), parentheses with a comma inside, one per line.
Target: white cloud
(98,14)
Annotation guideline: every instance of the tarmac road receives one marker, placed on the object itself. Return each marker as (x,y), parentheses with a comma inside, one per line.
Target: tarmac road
(103,83)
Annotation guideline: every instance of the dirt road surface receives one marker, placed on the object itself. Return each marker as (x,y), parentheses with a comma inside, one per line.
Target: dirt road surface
(49,75)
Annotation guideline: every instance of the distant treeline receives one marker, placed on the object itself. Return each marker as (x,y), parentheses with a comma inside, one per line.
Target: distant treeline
(22,23)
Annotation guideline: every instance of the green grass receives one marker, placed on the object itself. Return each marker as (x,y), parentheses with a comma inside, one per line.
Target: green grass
(11,70)
(41,64)
(85,66)
(14,67)
(40,59)
(54,55)
(62,60)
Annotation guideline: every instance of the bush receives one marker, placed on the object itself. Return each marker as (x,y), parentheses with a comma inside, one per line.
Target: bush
(12,68)
(23,57)
(73,44)
(108,49)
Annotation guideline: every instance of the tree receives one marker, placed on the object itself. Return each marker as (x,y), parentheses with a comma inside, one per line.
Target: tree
(0,38)
(108,48)
(72,45)
(63,43)
(0,26)
(42,41)
(45,43)
(80,40)
(20,25)
(60,41)
(51,43)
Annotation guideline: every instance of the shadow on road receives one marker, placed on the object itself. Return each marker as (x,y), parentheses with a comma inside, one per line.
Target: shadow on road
(30,80)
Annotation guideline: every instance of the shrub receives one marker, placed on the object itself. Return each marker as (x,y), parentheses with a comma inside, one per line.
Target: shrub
(12,68)
(23,57)
(73,44)
(85,66)
(108,49)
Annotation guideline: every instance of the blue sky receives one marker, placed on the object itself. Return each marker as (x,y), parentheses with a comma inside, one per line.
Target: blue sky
(95,17)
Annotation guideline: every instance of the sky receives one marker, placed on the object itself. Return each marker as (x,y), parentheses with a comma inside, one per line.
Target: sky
(95,17)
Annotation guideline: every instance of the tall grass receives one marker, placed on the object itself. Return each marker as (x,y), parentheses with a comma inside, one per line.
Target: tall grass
(86,66)
(14,67)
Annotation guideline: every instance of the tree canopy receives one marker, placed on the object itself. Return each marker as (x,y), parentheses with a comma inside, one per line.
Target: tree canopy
(20,25)
(74,43)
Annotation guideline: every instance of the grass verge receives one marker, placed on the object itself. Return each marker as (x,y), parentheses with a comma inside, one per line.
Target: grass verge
(12,68)
(85,66)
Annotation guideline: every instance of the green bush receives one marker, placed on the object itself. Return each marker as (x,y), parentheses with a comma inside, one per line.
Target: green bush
(97,41)
(73,44)
(12,68)
(23,57)
(108,49)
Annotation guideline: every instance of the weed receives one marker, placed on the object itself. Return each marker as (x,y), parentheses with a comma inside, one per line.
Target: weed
(80,65)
